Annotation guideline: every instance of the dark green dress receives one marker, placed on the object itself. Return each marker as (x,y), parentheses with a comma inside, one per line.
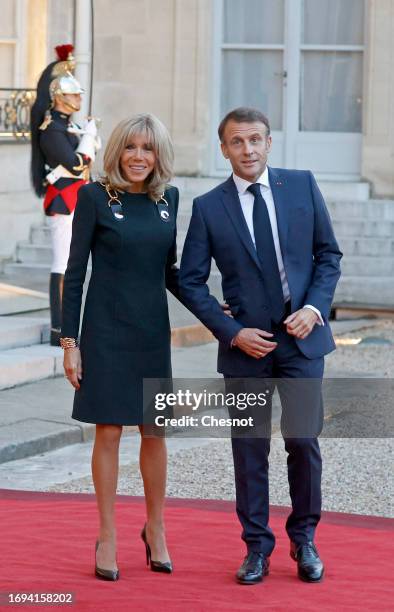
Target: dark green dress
(125,334)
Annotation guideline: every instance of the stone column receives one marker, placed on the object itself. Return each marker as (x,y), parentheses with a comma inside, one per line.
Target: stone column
(190,93)
(37,27)
(83,51)
(60,19)
(378,132)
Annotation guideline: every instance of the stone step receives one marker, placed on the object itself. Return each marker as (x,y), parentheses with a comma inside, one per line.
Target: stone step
(380,226)
(378,291)
(40,234)
(339,209)
(363,229)
(35,271)
(360,265)
(371,209)
(345,190)
(374,247)
(373,262)
(363,256)
(33,436)
(19,366)
(18,299)
(351,241)
(183,221)
(350,246)
(22,331)
(358,289)
(186,203)
(33,253)
(332,190)
(364,219)
(370,290)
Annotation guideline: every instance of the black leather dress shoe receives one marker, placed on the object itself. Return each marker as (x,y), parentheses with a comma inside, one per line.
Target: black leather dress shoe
(253,569)
(310,566)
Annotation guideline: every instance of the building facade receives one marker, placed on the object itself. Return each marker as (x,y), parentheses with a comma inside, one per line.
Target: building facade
(322,70)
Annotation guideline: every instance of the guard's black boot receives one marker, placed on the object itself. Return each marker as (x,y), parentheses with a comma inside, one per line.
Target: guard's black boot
(55,303)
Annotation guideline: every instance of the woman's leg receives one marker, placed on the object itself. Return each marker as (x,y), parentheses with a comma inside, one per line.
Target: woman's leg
(105,465)
(153,465)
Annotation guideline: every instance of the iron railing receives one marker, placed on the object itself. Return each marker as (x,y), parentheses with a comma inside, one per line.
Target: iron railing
(15,105)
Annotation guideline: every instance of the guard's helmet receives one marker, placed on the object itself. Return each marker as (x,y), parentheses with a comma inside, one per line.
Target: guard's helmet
(63,80)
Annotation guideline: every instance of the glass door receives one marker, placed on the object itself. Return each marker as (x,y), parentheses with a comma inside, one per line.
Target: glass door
(300,62)
(250,64)
(330,83)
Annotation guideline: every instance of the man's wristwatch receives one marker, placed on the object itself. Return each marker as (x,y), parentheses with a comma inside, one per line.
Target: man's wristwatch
(67,343)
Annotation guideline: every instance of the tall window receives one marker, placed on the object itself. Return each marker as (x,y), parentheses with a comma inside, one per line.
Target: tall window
(332,39)
(11,43)
(252,56)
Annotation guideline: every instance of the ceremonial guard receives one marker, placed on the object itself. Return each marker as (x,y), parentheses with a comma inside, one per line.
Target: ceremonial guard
(62,153)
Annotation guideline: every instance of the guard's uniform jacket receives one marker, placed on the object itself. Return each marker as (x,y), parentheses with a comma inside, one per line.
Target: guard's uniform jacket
(67,169)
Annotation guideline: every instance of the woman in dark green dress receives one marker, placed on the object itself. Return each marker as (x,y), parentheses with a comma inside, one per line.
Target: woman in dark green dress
(128,223)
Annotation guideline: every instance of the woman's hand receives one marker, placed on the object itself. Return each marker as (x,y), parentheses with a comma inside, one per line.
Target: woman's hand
(73,366)
(226,309)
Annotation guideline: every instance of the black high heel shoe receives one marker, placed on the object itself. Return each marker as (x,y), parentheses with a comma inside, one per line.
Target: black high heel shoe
(105,574)
(156,566)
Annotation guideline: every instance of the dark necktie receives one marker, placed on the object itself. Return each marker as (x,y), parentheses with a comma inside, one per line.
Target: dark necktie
(266,253)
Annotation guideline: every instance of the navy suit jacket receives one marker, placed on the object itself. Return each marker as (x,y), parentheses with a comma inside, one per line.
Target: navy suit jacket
(310,253)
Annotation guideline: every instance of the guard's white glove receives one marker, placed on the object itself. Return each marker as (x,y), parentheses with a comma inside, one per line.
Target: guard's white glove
(90,142)
(89,127)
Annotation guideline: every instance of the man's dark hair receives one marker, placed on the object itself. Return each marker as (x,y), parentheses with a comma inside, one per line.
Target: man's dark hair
(243,114)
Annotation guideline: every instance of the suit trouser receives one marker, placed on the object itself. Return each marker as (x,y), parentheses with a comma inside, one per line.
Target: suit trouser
(298,380)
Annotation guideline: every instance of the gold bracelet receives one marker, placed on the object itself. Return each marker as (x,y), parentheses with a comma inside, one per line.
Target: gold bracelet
(67,343)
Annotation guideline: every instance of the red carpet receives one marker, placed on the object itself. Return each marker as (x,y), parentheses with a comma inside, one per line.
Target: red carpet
(47,544)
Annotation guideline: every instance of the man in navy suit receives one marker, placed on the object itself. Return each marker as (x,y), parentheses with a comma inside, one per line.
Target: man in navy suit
(272,239)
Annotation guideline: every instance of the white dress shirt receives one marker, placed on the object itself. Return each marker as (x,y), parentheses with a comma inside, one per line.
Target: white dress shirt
(247,201)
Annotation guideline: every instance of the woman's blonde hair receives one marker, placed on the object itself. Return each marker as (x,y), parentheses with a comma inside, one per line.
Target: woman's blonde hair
(157,135)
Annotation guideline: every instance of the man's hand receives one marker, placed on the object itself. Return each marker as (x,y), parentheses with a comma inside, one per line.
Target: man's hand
(227,310)
(73,366)
(251,341)
(301,323)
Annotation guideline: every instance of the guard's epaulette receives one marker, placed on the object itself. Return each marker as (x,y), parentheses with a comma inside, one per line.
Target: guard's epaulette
(46,122)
